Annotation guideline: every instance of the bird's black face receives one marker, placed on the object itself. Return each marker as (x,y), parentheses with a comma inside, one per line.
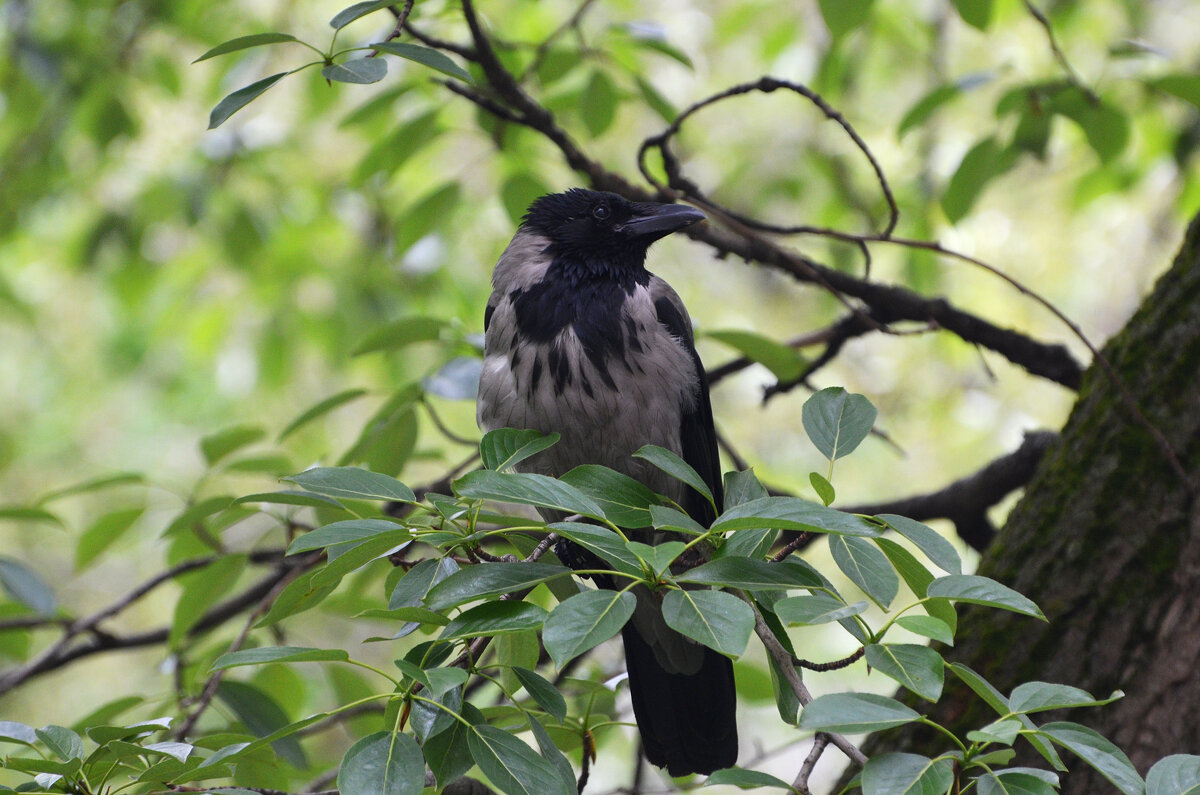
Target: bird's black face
(603,231)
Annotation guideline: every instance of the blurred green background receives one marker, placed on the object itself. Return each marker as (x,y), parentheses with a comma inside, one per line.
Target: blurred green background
(160,283)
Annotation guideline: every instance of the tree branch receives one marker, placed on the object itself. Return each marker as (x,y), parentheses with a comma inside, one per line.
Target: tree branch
(63,653)
(783,661)
(966,501)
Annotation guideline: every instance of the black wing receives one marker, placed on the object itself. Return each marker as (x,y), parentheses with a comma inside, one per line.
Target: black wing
(698,437)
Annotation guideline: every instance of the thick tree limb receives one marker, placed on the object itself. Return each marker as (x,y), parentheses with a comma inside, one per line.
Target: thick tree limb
(966,501)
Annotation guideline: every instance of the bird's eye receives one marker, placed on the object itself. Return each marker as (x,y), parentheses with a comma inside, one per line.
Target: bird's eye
(600,212)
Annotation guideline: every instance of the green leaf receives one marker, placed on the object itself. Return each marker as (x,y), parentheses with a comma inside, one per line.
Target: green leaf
(979,590)
(1184,85)
(309,590)
(201,590)
(843,16)
(1041,696)
(103,533)
(925,538)
(495,618)
(192,517)
(719,620)
(1093,748)
(784,362)
(27,587)
(447,752)
(384,763)
(585,621)
(625,501)
(29,513)
(744,779)
(664,518)
(551,754)
(1002,731)
(511,765)
(239,99)
(412,589)
(749,575)
(245,42)
(819,608)
(750,542)
(13,732)
(657,558)
(925,106)
(855,713)
(277,654)
(919,668)
(793,513)
(264,718)
(676,467)
(351,13)
(976,13)
(602,542)
(1106,127)
(996,700)
(655,100)
(354,483)
(866,566)
(402,333)
(504,448)
(1018,781)
(929,627)
(917,577)
(516,194)
(490,579)
(907,774)
(62,742)
(741,487)
(823,488)
(541,691)
(599,103)
(527,489)
(434,59)
(362,71)
(92,485)
(837,421)
(348,531)
(1178,774)
(320,409)
(291,497)
(985,161)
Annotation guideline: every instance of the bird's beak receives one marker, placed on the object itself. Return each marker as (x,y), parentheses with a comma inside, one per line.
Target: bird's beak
(659,220)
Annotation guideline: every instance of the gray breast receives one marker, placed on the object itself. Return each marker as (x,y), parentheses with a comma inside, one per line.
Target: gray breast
(603,415)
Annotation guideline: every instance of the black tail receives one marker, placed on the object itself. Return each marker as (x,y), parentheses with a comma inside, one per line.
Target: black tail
(687,721)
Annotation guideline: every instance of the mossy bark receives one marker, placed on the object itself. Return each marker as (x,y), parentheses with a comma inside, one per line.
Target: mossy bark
(1106,539)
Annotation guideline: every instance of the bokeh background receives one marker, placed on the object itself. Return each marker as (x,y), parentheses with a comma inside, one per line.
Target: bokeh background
(161,283)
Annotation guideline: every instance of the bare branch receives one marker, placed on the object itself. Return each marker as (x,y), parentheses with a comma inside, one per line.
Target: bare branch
(783,660)
(63,653)
(820,741)
(966,501)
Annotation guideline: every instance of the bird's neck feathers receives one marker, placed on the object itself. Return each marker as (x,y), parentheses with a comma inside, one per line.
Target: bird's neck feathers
(626,269)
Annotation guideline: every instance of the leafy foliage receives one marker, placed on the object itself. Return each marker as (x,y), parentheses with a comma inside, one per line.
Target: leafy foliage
(406,567)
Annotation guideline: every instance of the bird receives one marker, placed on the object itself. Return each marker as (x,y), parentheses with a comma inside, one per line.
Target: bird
(581,340)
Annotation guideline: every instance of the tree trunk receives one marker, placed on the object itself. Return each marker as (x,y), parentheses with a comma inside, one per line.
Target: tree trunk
(1106,540)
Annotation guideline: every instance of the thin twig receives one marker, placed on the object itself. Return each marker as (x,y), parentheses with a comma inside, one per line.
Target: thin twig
(783,661)
(836,665)
(1059,55)
(401,17)
(214,681)
(820,740)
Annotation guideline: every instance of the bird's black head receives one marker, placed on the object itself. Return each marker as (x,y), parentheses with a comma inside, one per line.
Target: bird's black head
(603,233)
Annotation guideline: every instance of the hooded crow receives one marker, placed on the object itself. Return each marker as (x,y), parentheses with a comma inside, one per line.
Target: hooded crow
(583,341)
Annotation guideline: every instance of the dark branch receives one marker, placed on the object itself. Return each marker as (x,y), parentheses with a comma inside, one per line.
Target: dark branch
(63,653)
(966,501)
